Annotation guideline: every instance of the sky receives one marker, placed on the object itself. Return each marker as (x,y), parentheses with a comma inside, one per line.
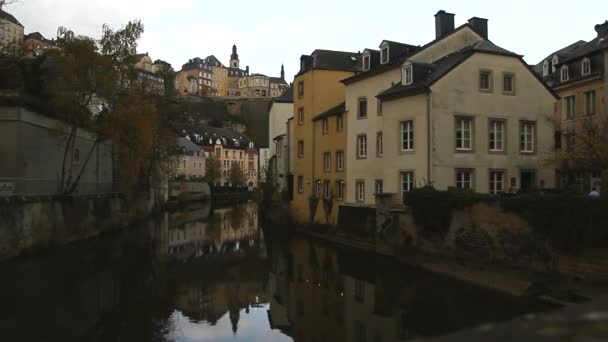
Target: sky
(269,33)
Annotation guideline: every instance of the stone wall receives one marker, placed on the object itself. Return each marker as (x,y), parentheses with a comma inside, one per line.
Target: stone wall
(484,233)
(31,224)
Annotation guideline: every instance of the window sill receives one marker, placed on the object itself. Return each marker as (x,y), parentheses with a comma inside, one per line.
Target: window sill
(499,152)
(526,153)
(465,151)
(361,117)
(361,158)
(402,152)
(486,91)
(508,93)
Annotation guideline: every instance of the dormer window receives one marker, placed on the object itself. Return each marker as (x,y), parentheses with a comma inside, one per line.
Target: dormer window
(554,63)
(366,61)
(565,76)
(586,67)
(407,75)
(546,68)
(384,53)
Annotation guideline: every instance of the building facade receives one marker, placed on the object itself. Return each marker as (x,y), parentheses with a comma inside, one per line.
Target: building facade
(34,44)
(11,34)
(191,161)
(317,89)
(195,78)
(462,113)
(579,75)
(256,85)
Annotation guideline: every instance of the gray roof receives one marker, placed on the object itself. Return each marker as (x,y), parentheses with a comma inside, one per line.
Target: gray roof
(331,60)
(187,146)
(213,60)
(563,52)
(286,97)
(208,136)
(277,80)
(398,53)
(9,17)
(339,109)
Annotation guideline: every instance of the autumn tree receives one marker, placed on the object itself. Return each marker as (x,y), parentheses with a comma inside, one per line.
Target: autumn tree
(213,169)
(236,176)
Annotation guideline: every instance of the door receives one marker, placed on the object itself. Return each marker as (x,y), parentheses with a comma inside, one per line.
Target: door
(527,180)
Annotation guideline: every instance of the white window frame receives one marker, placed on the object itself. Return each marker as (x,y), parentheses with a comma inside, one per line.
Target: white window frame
(496,135)
(585,67)
(407,74)
(340,189)
(325,126)
(300,184)
(461,126)
(407,135)
(327,161)
(545,68)
(570,107)
(495,181)
(384,53)
(362,146)
(319,188)
(554,62)
(339,122)
(301,149)
(527,136)
(326,189)
(564,73)
(379,144)
(359,106)
(301,116)
(590,102)
(360,191)
(379,186)
(340,160)
(406,182)
(464,178)
(366,61)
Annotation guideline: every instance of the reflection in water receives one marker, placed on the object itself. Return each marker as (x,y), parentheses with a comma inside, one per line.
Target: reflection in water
(201,275)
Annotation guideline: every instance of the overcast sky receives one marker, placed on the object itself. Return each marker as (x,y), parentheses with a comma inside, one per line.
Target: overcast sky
(271,32)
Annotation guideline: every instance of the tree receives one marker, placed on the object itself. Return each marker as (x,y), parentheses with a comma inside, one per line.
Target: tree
(236,175)
(213,169)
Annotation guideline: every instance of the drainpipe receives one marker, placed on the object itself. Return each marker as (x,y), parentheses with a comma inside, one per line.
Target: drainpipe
(430,140)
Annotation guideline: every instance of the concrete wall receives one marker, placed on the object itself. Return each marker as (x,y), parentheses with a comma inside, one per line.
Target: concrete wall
(33,224)
(32,147)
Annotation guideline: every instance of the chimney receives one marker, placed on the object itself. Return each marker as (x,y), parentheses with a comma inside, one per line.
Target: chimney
(602,29)
(444,23)
(480,25)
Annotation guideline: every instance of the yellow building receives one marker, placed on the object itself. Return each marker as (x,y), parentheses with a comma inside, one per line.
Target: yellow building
(579,76)
(11,34)
(317,94)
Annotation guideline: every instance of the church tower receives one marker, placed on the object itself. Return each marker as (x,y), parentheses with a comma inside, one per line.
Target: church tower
(282,72)
(234,58)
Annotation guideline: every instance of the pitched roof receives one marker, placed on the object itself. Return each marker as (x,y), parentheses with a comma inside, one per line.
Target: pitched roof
(321,59)
(597,44)
(562,53)
(286,97)
(9,17)
(339,109)
(277,80)
(187,145)
(398,52)
(208,136)
(213,60)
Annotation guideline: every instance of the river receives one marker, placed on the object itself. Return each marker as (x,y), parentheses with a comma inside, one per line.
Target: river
(203,275)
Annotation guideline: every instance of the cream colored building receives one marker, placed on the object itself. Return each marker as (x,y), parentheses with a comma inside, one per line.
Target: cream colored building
(191,161)
(462,112)
(11,34)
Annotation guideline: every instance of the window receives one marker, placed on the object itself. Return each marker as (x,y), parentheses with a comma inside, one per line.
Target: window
(464,179)
(570,103)
(340,189)
(590,102)
(327,161)
(508,85)
(327,189)
(366,62)
(339,122)
(407,135)
(407,75)
(300,184)
(585,67)
(379,145)
(570,142)
(565,76)
(497,134)
(384,54)
(359,290)
(407,182)
(362,109)
(300,88)
(527,136)
(226,154)
(340,160)
(300,149)
(318,188)
(360,332)
(300,116)
(554,62)
(464,128)
(545,68)
(379,107)
(361,146)
(360,191)
(324,126)
(485,80)
(379,186)
(497,180)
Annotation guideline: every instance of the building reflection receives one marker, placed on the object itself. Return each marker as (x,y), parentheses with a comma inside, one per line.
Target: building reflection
(320,292)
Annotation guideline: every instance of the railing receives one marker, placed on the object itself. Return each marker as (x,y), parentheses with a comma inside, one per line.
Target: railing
(45,187)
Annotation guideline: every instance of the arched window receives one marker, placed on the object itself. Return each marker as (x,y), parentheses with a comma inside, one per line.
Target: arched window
(565,75)
(546,68)
(554,62)
(585,66)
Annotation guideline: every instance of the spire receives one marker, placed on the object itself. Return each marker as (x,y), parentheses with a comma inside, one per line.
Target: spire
(234,56)
(282,72)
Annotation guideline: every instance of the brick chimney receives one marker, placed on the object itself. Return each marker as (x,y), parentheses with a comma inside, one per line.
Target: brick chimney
(480,25)
(602,29)
(444,23)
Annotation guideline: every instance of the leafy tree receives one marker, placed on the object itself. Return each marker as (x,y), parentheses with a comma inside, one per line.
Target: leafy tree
(236,175)
(213,169)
